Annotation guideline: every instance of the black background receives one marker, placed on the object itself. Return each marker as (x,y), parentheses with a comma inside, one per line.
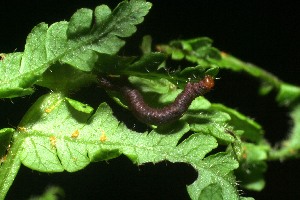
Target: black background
(260,32)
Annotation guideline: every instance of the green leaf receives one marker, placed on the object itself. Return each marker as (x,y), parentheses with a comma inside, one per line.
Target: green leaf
(9,168)
(211,122)
(76,43)
(113,64)
(11,80)
(146,66)
(290,146)
(288,94)
(215,174)
(195,49)
(246,198)
(149,66)
(19,71)
(158,93)
(253,166)
(5,139)
(146,44)
(34,57)
(294,140)
(60,134)
(200,51)
(148,62)
(102,14)
(80,23)
(102,37)
(143,73)
(85,108)
(212,191)
(64,78)
(251,129)
(189,72)
(124,26)
(160,86)
(222,122)
(51,193)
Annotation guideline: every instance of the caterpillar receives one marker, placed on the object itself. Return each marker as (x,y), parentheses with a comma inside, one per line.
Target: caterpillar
(157,116)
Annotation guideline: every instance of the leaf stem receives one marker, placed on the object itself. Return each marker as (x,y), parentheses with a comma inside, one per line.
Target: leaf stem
(10,166)
(253,70)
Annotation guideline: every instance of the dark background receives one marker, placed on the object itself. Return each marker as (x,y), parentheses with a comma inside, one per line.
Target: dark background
(260,32)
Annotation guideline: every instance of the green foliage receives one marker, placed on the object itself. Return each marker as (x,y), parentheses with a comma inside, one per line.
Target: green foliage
(76,43)
(209,56)
(58,133)
(52,193)
(253,156)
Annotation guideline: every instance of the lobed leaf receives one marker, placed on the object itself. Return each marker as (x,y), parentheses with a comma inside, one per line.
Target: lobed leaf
(290,146)
(80,23)
(76,43)
(150,66)
(11,79)
(59,134)
(215,174)
(253,166)
(251,129)
(78,145)
(294,141)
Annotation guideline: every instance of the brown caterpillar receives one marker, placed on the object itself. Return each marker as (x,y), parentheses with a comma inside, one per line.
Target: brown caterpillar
(158,116)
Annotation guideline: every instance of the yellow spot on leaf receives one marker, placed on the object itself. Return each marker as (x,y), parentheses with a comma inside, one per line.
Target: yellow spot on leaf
(51,108)
(103,137)
(244,154)
(75,134)
(223,54)
(2,56)
(3,159)
(52,141)
(21,129)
